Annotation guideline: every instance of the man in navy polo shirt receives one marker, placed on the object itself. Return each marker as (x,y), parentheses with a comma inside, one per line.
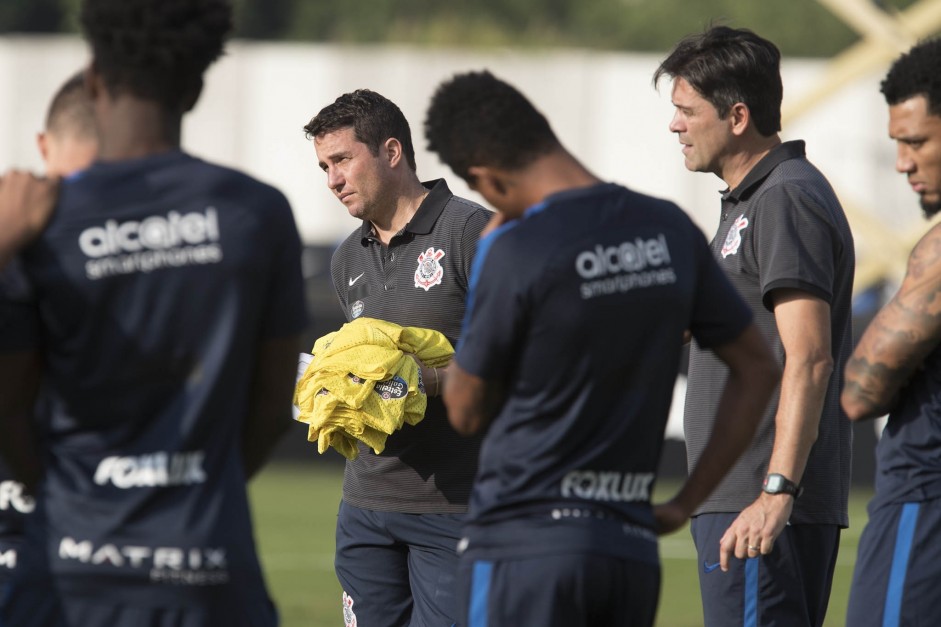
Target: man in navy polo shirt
(571,343)
(894,370)
(158,317)
(409,263)
(785,244)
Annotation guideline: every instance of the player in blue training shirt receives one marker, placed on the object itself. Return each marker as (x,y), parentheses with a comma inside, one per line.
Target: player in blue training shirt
(894,370)
(158,316)
(575,321)
(68,144)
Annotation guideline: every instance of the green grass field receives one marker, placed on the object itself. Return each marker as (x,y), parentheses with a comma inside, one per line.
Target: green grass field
(295,511)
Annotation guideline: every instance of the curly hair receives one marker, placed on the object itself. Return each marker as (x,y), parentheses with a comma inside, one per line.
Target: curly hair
(916,73)
(373,118)
(729,65)
(156,49)
(475,119)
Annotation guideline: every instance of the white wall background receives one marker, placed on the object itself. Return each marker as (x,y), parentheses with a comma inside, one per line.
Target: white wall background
(602,105)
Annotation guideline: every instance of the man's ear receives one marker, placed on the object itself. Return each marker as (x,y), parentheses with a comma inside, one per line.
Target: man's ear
(740,117)
(42,141)
(392,151)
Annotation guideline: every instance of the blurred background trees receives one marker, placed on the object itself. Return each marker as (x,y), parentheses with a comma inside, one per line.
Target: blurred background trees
(801,28)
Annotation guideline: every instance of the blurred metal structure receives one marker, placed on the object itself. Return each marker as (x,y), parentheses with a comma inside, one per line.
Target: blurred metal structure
(885,35)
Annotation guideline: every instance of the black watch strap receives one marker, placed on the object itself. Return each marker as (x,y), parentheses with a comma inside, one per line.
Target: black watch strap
(779,484)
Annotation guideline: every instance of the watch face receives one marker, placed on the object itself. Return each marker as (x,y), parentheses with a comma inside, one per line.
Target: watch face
(774,483)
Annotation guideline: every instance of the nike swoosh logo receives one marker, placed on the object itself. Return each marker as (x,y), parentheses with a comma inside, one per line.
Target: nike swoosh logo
(708,568)
(352,281)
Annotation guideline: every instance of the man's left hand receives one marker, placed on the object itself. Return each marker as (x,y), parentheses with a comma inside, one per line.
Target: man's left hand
(756,529)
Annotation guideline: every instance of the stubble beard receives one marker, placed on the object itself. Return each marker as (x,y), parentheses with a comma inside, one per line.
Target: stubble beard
(930,208)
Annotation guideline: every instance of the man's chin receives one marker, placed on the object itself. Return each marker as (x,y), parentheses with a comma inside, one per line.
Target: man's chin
(930,208)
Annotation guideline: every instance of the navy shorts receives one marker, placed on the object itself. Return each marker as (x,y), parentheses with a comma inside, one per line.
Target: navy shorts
(790,586)
(567,590)
(397,569)
(897,579)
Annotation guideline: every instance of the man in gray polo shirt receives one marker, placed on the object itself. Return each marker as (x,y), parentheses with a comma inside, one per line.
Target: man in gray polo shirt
(399,521)
(784,241)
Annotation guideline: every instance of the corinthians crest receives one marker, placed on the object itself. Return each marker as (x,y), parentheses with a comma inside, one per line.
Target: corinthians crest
(429,272)
(733,238)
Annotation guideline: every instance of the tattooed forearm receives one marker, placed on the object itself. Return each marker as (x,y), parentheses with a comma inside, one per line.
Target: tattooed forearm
(868,386)
(890,351)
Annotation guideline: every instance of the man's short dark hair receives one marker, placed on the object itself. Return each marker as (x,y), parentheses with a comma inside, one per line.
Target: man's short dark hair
(373,118)
(916,73)
(156,49)
(728,65)
(70,112)
(475,119)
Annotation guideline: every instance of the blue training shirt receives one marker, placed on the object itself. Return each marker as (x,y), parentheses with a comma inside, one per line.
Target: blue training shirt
(149,296)
(579,310)
(908,467)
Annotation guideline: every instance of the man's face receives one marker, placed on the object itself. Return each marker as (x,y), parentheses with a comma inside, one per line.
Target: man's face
(706,137)
(917,134)
(355,175)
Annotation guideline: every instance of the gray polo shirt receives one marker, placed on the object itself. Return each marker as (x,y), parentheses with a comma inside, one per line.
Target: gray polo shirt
(782,227)
(420,279)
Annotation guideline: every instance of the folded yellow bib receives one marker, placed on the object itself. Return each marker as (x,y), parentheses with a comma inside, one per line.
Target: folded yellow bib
(362,385)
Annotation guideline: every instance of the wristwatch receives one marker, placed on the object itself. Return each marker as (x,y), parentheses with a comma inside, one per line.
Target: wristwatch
(779,484)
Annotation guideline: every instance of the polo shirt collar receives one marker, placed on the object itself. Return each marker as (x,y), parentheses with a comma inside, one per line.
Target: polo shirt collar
(427,214)
(754,178)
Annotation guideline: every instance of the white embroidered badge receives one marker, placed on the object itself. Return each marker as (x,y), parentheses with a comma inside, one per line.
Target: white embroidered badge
(429,272)
(734,237)
(349,618)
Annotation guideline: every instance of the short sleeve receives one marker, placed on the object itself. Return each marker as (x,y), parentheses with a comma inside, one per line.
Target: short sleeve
(470,237)
(796,244)
(286,309)
(494,318)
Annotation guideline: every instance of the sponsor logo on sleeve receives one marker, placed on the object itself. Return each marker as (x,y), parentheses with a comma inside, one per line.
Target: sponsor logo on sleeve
(733,239)
(357,309)
(429,272)
(630,265)
(171,241)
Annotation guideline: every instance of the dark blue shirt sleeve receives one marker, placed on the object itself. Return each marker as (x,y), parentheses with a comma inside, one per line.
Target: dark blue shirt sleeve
(494,319)
(286,312)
